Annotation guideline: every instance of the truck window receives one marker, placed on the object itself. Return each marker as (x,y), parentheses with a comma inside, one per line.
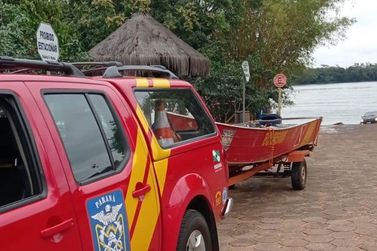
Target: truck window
(91,135)
(175,115)
(19,177)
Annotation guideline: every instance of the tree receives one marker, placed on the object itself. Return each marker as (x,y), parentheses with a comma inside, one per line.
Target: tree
(275,35)
(20,22)
(79,25)
(329,74)
(11,34)
(195,21)
(279,36)
(222,90)
(96,19)
(283,34)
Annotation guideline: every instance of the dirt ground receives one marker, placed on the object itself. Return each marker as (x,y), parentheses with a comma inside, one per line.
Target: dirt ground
(336,211)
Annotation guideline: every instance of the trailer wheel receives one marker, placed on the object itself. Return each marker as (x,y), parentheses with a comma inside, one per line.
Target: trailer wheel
(194,234)
(299,175)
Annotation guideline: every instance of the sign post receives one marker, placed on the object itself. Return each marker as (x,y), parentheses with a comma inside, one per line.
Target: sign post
(246,71)
(47,43)
(280,80)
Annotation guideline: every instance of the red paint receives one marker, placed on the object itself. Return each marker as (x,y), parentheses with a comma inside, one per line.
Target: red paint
(257,145)
(62,210)
(181,122)
(280,80)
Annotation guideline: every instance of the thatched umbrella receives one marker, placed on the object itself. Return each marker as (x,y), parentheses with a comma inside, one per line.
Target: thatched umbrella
(144,41)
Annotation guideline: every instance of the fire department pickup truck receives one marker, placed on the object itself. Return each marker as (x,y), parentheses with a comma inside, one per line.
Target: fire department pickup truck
(118,163)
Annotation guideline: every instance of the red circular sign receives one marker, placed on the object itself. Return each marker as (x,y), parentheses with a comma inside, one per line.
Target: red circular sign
(280,80)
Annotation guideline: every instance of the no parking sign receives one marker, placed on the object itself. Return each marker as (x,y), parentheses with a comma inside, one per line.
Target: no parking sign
(280,80)
(47,43)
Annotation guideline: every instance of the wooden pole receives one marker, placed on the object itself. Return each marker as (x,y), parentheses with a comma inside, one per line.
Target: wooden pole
(243,101)
(280,101)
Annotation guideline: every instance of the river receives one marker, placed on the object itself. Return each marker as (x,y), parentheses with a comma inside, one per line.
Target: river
(343,102)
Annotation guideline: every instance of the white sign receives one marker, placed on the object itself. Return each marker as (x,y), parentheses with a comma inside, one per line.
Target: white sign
(47,43)
(246,70)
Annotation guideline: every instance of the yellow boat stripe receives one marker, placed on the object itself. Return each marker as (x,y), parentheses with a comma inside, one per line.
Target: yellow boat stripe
(142,82)
(309,133)
(161,83)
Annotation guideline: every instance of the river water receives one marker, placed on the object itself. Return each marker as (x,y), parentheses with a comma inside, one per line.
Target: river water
(343,102)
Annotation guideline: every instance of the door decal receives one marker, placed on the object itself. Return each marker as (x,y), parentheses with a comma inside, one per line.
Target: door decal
(108,222)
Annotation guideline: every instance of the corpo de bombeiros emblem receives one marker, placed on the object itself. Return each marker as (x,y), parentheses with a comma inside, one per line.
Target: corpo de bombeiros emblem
(108,221)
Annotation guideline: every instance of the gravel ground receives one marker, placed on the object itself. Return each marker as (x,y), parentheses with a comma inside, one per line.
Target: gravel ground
(336,211)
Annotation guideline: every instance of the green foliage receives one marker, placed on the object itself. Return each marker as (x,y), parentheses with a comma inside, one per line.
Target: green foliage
(196,21)
(283,33)
(323,75)
(94,20)
(20,22)
(273,35)
(11,34)
(222,90)
(79,25)
(276,36)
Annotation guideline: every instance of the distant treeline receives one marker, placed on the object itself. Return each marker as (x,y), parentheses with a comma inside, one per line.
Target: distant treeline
(336,74)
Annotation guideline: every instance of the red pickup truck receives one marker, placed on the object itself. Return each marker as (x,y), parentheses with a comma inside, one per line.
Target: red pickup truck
(118,163)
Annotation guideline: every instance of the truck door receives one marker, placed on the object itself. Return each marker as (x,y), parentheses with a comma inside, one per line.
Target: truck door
(35,202)
(107,165)
(189,153)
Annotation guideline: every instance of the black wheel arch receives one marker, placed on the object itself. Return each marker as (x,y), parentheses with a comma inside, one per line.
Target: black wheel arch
(202,205)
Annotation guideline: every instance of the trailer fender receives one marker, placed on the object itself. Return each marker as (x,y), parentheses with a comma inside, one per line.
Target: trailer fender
(298,156)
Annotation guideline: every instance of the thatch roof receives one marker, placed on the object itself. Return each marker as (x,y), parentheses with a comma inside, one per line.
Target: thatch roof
(144,41)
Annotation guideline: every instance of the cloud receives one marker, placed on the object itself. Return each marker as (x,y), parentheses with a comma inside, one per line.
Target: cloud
(360,44)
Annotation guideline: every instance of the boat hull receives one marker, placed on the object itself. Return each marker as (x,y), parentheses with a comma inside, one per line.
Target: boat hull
(245,146)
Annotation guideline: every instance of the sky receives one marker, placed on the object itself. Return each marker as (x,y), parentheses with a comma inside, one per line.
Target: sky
(360,44)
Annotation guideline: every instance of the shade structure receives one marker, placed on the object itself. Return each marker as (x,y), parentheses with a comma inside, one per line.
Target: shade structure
(141,40)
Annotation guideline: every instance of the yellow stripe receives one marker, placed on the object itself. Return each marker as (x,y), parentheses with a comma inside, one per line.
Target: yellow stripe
(161,83)
(141,82)
(150,208)
(309,133)
(161,169)
(148,216)
(157,83)
(143,120)
(137,175)
(158,152)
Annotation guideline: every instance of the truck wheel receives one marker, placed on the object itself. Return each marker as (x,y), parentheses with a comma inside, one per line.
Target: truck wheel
(299,175)
(194,234)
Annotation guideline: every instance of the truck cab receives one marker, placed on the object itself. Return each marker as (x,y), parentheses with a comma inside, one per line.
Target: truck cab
(106,164)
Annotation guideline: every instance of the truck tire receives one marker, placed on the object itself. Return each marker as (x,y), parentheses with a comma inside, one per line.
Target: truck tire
(299,175)
(194,234)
